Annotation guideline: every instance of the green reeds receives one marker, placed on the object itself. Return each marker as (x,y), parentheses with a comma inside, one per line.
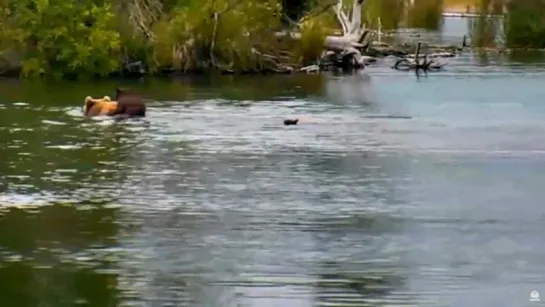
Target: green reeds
(522,25)
(525,24)
(392,14)
(425,14)
(313,32)
(387,14)
(485,29)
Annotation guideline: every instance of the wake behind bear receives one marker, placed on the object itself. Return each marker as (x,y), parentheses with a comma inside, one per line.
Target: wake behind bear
(125,105)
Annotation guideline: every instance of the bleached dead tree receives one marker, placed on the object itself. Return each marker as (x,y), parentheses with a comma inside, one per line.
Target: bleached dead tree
(349,45)
(353,30)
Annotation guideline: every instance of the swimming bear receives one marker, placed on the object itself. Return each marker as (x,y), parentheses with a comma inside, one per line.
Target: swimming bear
(126,104)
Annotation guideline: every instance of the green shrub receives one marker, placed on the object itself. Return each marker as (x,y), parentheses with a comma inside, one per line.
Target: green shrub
(68,37)
(525,24)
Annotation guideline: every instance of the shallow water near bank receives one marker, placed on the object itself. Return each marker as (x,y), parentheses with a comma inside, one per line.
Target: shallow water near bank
(395,191)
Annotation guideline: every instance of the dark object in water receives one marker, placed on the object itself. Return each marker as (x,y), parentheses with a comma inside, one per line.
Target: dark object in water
(291,121)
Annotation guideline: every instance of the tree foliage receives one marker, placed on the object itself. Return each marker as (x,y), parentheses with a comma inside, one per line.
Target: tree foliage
(64,36)
(99,37)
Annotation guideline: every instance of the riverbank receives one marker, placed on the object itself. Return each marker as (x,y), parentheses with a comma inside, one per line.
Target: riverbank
(215,36)
(404,48)
(230,38)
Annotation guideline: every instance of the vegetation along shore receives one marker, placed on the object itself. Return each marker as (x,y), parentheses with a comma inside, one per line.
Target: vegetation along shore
(99,38)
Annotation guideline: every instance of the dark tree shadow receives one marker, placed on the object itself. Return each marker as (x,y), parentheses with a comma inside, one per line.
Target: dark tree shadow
(56,255)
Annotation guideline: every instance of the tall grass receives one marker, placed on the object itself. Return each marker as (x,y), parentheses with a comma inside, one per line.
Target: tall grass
(392,14)
(388,14)
(425,14)
(522,25)
(485,30)
(313,33)
(525,24)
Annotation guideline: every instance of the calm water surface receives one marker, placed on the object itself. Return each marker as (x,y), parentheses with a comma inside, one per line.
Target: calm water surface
(397,191)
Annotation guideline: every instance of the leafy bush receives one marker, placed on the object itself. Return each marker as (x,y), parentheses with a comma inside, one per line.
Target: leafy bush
(97,37)
(64,36)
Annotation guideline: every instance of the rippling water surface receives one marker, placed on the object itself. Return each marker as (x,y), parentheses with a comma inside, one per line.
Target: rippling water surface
(394,191)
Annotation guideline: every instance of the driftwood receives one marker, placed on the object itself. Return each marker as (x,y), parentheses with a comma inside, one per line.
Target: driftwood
(355,49)
(346,51)
(414,62)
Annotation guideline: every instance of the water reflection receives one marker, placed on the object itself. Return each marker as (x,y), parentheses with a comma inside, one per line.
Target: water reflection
(362,284)
(30,284)
(70,227)
(527,57)
(348,90)
(354,258)
(58,255)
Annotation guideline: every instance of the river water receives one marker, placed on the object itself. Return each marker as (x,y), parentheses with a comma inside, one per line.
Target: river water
(394,191)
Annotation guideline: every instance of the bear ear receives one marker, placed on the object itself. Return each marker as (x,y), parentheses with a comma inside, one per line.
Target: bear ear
(107,98)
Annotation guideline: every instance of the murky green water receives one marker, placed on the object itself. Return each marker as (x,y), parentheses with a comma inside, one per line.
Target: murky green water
(398,191)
